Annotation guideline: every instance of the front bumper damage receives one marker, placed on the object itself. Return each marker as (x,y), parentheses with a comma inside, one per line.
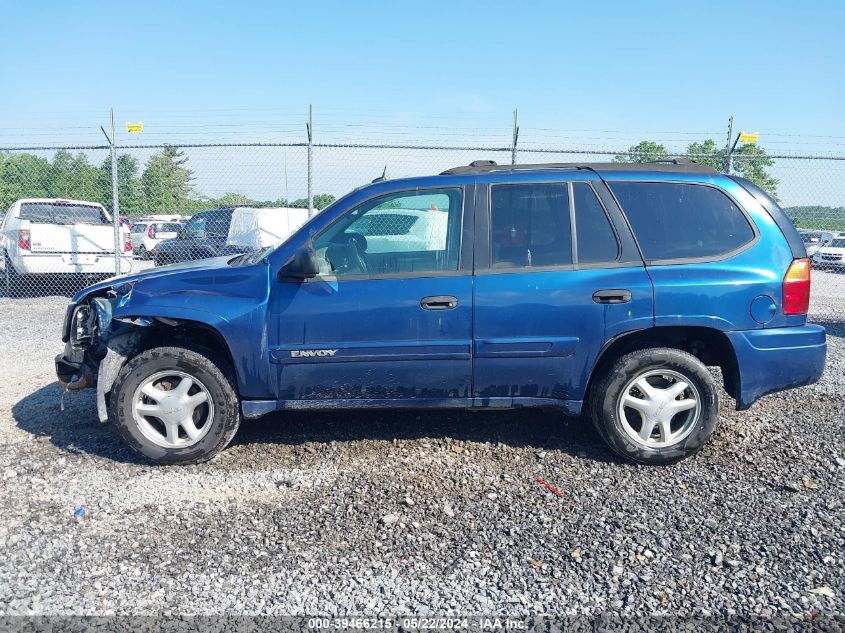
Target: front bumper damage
(96,346)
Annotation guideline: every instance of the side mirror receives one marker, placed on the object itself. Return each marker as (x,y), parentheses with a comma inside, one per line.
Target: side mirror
(304,264)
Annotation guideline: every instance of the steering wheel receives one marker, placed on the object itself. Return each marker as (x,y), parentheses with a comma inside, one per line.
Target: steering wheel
(347,254)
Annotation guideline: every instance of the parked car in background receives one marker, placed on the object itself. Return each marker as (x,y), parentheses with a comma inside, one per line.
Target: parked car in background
(229,231)
(606,289)
(147,234)
(831,255)
(41,236)
(814,240)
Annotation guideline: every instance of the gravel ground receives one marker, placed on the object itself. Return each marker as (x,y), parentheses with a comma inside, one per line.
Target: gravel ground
(421,513)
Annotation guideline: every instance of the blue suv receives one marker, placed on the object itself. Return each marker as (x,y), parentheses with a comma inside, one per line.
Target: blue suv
(603,289)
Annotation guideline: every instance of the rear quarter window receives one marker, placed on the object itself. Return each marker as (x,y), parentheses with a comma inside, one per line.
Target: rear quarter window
(677,221)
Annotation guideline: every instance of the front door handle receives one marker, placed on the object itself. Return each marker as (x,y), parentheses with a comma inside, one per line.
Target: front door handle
(439,302)
(612,296)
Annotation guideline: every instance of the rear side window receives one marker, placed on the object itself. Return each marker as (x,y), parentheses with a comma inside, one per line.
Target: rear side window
(529,225)
(596,239)
(682,221)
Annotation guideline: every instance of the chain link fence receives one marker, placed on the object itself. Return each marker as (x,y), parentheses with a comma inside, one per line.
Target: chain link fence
(183,202)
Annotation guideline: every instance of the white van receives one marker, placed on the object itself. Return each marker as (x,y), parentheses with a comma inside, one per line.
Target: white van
(257,228)
(51,236)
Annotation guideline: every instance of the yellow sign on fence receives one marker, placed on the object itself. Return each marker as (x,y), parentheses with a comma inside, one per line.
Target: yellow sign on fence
(134,128)
(749,137)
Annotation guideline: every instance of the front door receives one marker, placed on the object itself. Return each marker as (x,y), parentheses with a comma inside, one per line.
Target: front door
(558,276)
(389,317)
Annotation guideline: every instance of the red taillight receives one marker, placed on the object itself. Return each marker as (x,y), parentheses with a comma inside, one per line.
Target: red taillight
(151,232)
(23,239)
(796,287)
(127,243)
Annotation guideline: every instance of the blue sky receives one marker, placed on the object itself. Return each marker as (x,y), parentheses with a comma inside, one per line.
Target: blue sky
(582,74)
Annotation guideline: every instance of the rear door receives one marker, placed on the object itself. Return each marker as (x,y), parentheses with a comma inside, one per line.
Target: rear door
(557,275)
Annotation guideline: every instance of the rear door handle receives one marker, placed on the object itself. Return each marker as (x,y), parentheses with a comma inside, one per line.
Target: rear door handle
(612,296)
(439,302)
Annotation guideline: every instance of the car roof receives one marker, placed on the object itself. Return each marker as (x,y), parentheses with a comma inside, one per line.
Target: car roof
(492,172)
(672,166)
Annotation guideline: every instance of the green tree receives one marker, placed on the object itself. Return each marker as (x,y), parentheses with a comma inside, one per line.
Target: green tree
(707,153)
(321,201)
(166,182)
(749,161)
(72,176)
(23,176)
(643,152)
(129,190)
(230,199)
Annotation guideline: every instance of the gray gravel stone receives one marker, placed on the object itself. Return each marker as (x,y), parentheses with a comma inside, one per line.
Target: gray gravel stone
(302,513)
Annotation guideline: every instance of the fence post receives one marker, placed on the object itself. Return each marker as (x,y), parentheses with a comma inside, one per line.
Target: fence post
(115,203)
(515,135)
(310,163)
(729,159)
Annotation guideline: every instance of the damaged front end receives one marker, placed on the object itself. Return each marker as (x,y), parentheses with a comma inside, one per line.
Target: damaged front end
(96,344)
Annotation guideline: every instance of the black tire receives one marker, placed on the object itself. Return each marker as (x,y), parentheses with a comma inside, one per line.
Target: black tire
(607,390)
(12,281)
(198,363)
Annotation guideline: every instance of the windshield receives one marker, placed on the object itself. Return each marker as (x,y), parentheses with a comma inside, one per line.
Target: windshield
(62,213)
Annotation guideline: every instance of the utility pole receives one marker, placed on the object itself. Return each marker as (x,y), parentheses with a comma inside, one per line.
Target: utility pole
(115,204)
(729,159)
(515,135)
(310,128)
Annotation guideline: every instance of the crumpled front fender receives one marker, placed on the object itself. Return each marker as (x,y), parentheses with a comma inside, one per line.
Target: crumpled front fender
(120,349)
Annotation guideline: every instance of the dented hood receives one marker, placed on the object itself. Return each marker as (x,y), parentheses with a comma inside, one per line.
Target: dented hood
(155,273)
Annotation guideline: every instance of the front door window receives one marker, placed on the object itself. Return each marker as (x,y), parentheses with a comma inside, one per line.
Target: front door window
(407,232)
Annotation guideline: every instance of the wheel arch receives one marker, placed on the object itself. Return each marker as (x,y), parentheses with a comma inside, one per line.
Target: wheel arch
(711,346)
(190,334)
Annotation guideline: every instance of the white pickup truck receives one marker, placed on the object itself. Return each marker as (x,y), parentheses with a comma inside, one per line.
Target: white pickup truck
(42,236)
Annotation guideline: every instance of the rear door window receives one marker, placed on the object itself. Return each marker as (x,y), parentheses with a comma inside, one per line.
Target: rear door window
(529,225)
(595,237)
(678,221)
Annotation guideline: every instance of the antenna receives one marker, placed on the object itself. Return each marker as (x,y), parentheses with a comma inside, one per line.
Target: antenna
(383,176)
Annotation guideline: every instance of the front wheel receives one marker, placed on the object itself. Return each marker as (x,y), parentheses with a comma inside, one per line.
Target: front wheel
(173,405)
(655,406)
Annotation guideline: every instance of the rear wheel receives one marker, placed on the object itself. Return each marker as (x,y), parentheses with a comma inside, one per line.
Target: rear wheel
(655,406)
(174,405)
(12,281)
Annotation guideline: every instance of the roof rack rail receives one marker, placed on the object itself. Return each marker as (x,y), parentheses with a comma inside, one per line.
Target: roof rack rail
(668,165)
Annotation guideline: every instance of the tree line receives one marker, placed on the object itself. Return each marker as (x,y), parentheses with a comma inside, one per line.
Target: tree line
(749,161)
(164,186)
(166,183)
